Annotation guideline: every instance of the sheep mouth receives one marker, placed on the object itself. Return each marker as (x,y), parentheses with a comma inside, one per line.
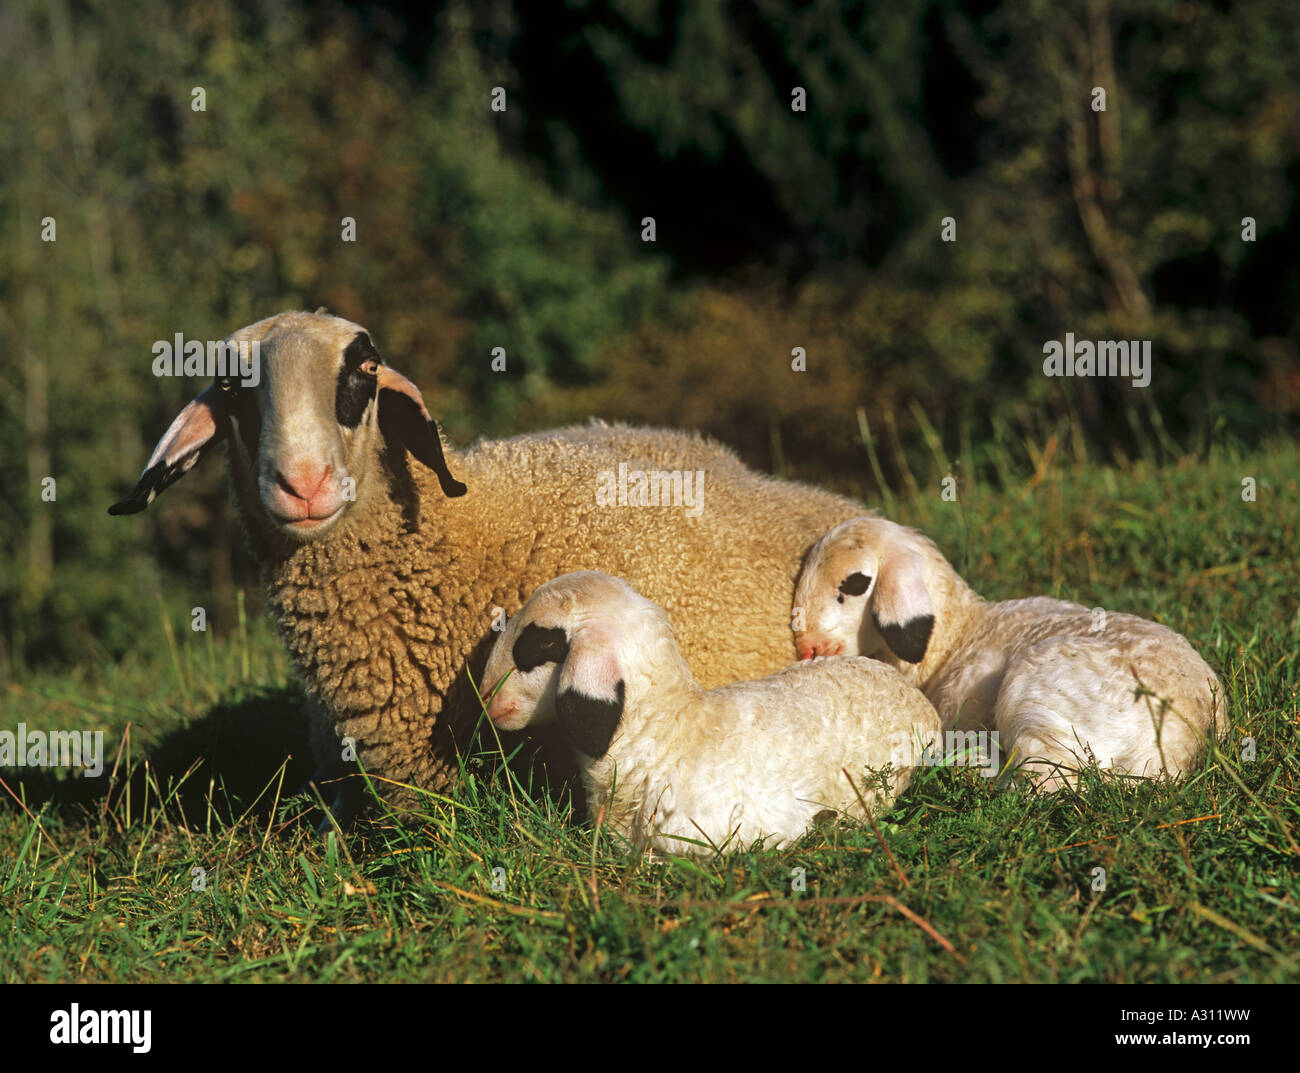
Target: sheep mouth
(308,526)
(510,721)
(504,713)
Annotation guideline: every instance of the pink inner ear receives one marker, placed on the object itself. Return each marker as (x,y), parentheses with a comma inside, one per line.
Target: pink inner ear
(391,380)
(194,426)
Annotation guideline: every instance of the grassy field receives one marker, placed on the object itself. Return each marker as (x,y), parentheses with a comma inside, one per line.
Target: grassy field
(983,880)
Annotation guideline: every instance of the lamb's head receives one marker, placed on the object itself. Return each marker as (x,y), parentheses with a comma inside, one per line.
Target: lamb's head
(305,439)
(579,650)
(863,592)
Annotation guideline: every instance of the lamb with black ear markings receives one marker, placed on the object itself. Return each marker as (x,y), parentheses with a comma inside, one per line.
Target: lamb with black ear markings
(387,554)
(1055,681)
(684,769)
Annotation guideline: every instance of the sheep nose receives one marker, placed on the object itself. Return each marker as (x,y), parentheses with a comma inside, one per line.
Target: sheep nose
(813,649)
(500,708)
(304,481)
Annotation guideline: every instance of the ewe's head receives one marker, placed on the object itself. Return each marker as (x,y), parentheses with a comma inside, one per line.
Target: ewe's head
(863,592)
(570,653)
(304,441)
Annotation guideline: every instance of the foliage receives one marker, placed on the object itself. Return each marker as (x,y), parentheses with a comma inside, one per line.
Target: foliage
(522,229)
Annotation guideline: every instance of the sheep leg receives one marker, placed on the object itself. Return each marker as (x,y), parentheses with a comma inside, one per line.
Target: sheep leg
(332,773)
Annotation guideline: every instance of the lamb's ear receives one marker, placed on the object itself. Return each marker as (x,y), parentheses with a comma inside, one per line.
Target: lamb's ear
(900,605)
(589,694)
(404,419)
(197,430)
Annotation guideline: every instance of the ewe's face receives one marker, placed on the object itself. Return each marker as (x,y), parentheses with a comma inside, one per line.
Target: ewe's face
(309,430)
(863,592)
(305,433)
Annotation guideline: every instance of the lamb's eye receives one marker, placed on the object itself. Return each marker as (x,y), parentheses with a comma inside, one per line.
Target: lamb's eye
(854,585)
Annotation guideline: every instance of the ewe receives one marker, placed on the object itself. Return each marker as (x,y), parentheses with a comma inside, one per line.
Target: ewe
(385,576)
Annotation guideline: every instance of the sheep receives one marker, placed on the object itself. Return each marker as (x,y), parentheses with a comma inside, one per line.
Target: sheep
(1058,683)
(385,577)
(680,768)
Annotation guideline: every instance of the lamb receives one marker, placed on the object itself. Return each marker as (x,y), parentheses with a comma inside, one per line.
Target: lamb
(1059,683)
(682,769)
(385,576)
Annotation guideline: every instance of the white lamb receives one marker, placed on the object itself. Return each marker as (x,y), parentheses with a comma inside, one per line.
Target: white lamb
(689,770)
(1059,683)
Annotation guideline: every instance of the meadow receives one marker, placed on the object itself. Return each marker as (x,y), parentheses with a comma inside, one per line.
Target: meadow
(967,878)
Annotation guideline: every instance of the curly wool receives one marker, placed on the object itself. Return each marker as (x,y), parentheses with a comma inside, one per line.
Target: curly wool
(384,618)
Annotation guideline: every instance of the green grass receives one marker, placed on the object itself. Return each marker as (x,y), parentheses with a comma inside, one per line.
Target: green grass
(987,882)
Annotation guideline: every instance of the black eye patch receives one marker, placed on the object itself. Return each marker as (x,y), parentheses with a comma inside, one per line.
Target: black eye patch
(359,350)
(539,644)
(855,584)
(355,388)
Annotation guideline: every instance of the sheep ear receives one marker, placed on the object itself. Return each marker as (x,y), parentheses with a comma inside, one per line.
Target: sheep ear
(404,420)
(589,695)
(197,430)
(900,606)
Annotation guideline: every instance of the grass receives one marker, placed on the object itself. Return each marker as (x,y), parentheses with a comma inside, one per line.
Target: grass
(983,880)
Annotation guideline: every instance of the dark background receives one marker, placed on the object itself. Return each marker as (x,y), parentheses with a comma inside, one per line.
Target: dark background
(522,229)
